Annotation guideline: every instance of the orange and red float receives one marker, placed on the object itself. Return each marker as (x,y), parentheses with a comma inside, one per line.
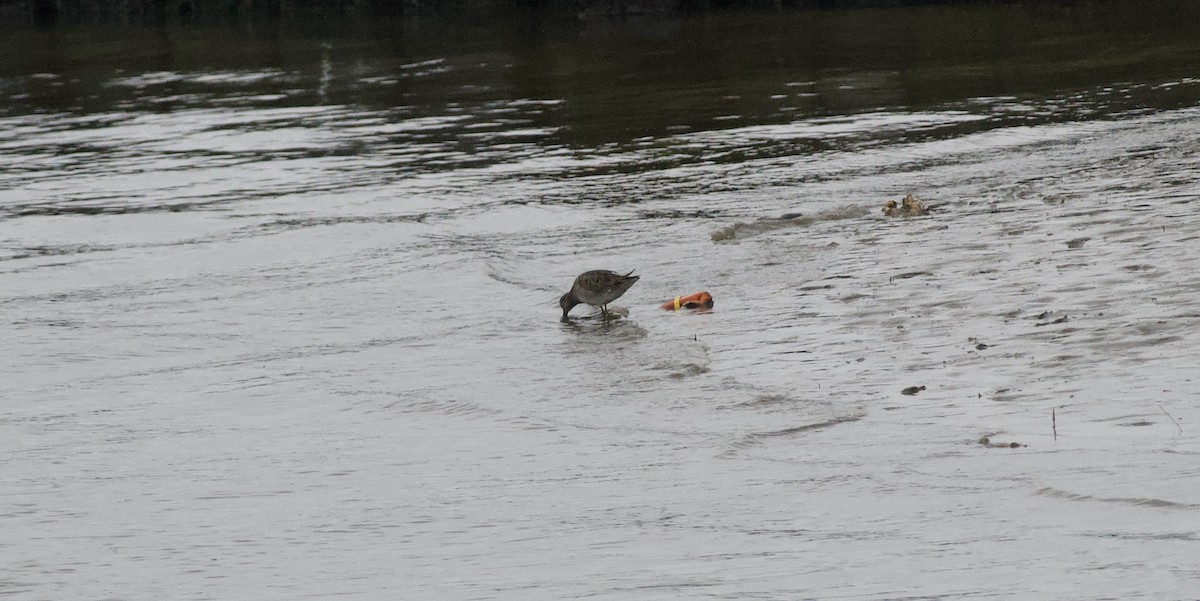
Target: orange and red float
(696,300)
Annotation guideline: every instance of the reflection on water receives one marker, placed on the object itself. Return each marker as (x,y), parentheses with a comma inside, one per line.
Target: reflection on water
(345,105)
(280,306)
(612,81)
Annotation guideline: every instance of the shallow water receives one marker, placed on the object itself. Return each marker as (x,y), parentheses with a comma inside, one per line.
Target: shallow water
(280,308)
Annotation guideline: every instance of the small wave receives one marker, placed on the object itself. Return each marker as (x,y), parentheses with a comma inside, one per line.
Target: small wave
(1134,501)
(767,402)
(15,251)
(836,126)
(118,208)
(290,224)
(687,370)
(505,275)
(1166,536)
(405,403)
(768,224)
(757,438)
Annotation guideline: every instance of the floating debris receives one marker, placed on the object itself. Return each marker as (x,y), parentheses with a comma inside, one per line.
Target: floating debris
(1062,319)
(987,442)
(909,206)
(909,274)
(697,300)
(911,390)
(979,346)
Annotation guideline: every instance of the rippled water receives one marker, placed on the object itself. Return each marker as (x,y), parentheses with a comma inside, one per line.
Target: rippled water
(279,308)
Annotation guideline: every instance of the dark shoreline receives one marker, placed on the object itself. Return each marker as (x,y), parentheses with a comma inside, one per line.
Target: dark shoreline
(18,13)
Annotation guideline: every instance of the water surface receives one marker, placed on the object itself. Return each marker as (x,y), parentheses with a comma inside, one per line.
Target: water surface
(279,305)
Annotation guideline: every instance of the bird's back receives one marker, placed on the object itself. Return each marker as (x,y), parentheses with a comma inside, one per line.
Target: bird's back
(601,286)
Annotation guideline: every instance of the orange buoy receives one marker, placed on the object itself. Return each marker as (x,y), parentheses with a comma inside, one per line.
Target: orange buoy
(697,300)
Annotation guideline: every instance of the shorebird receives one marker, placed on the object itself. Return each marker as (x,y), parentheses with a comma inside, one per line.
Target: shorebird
(596,288)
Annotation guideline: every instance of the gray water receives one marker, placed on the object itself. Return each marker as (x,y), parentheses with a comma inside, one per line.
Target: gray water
(279,308)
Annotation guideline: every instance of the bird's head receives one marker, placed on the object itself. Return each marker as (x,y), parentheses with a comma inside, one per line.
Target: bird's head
(567,302)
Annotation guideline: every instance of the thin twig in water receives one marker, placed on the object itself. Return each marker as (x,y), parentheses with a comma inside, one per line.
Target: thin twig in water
(1054,423)
(1160,408)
